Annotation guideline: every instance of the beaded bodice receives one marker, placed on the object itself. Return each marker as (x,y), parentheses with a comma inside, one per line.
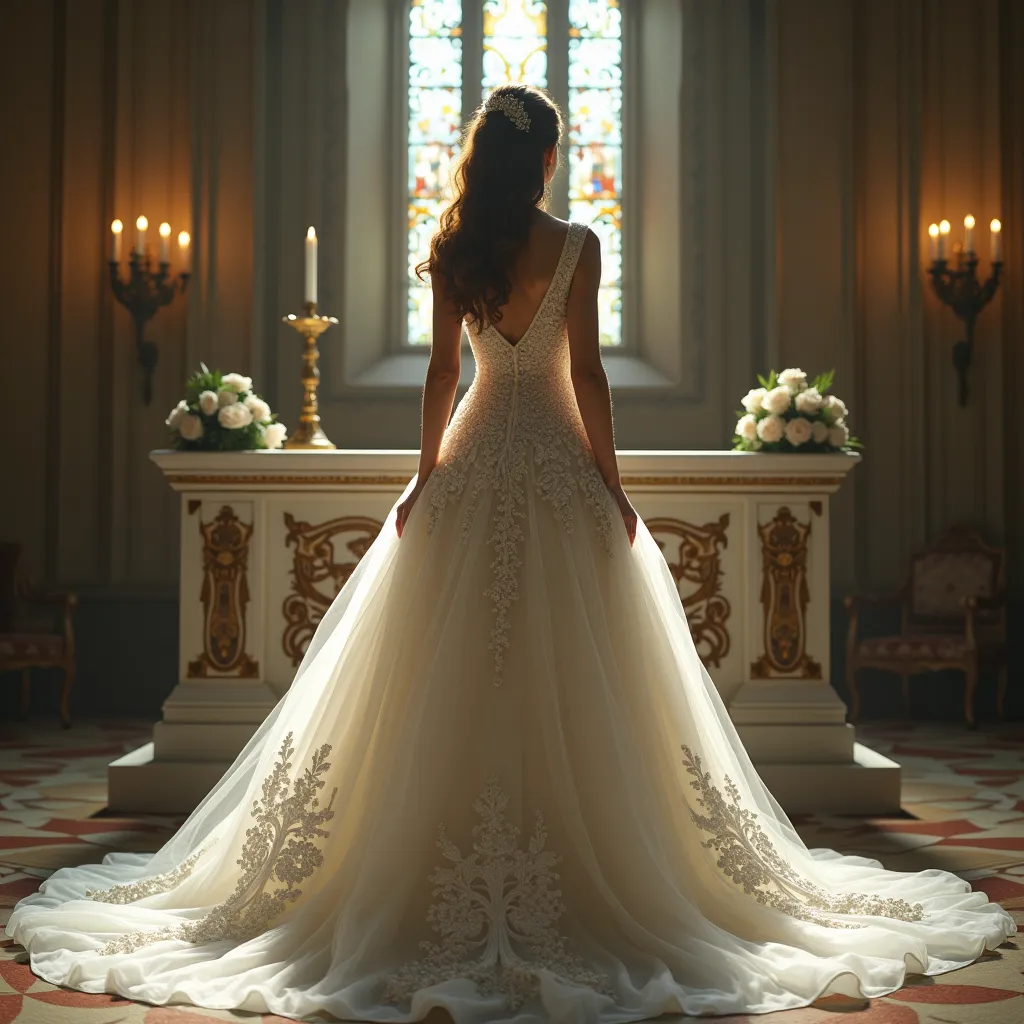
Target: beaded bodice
(519,420)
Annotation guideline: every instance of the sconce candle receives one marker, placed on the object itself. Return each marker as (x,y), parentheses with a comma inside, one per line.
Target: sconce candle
(183,249)
(969,234)
(140,243)
(165,234)
(933,242)
(116,227)
(311,266)
(997,241)
(943,232)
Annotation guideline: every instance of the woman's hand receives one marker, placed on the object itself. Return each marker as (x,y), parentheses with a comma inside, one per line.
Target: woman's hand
(629,516)
(406,506)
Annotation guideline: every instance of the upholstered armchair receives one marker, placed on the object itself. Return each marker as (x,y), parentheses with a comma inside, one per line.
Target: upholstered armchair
(952,616)
(36,630)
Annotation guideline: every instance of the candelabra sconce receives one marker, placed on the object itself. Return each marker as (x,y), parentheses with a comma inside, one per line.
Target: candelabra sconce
(958,287)
(309,434)
(145,291)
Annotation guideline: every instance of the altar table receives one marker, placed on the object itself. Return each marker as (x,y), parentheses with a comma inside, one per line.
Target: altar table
(268,539)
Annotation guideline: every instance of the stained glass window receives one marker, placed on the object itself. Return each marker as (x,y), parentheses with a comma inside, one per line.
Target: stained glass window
(513,40)
(515,43)
(435,120)
(595,143)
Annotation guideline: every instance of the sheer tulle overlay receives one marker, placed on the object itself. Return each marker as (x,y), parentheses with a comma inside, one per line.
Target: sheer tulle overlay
(502,783)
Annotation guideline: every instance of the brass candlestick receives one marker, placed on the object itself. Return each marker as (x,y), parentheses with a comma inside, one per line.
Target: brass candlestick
(309,434)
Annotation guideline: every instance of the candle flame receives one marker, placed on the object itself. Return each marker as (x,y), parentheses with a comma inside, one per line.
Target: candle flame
(183,239)
(165,230)
(117,227)
(995,226)
(142,223)
(968,222)
(944,227)
(311,233)
(933,230)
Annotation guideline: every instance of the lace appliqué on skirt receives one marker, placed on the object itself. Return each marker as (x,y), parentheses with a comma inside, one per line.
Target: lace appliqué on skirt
(747,856)
(497,914)
(278,845)
(132,892)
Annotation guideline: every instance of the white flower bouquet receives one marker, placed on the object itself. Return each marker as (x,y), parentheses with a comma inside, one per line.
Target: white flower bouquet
(788,414)
(222,413)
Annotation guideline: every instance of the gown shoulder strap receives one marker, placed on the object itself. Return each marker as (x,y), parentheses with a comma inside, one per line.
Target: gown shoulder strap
(570,257)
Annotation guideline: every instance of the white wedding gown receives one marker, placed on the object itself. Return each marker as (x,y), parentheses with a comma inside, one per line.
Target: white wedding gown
(501,783)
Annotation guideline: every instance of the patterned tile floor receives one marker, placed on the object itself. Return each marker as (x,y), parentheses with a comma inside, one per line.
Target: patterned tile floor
(963,803)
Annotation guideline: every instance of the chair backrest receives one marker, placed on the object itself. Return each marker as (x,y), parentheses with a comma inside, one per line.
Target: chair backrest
(10,554)
(959,565)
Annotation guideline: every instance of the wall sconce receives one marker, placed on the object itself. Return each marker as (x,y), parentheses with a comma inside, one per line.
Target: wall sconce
(958,287)
(146,290)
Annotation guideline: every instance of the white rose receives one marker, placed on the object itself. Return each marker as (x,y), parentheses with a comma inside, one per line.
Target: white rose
(752,399)
(227,397)
(746,427)
(236,382)
(819,431)
(175,416)
(234,417)
(798,431)
(835,408)
(838,435)
(808,401)
(771,428)
(794,379)
(208,402)
(191,427)
(259,409)
(274,435)
(777,400)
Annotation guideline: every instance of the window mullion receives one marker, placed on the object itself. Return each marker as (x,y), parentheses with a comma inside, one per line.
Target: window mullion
(472,56)
(558,88)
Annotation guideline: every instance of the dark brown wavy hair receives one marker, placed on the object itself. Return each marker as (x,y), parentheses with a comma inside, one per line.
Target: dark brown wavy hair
(497,182)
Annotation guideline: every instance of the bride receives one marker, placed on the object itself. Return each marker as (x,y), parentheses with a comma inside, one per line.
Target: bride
(502,782)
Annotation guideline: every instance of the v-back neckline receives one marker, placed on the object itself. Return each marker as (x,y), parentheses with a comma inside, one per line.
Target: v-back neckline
(544,298)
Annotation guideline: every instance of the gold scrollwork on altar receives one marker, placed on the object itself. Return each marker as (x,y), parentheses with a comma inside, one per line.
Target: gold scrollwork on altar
(785,596)
(697,570)
(316,576)
(224,595)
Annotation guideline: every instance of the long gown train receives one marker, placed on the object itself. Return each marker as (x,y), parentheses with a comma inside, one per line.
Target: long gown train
(503,783)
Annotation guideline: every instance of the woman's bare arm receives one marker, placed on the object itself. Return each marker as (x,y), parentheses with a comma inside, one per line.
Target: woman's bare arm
(589,380)
(442,381)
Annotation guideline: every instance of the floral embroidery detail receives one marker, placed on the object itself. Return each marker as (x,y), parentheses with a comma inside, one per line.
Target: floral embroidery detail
(521,403)
(495,901)
(747,856)
(279,845)
(132,892)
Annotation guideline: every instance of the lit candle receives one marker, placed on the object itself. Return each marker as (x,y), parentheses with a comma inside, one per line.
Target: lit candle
(968,234)
(943,232)
(311,265)
(116,228)
(183,243)
(933,242)
(997,241)
(165,234)
(140,245)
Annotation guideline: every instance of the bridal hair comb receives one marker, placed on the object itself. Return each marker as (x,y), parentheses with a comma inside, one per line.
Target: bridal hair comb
(511,106)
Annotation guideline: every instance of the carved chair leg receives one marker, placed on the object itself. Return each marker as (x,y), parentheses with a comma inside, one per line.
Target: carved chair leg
(26,697)
(65,696)
(851,685)
(1001,691)
(970,683)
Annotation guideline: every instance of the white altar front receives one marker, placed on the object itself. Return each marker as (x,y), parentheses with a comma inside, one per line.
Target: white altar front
(268,539)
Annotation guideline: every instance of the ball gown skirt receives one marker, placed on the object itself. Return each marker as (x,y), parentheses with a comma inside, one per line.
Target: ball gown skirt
(501,783)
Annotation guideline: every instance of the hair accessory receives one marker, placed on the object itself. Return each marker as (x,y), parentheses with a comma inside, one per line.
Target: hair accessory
(511,106)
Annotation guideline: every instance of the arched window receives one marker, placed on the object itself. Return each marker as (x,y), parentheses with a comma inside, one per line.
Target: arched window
(458,51)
